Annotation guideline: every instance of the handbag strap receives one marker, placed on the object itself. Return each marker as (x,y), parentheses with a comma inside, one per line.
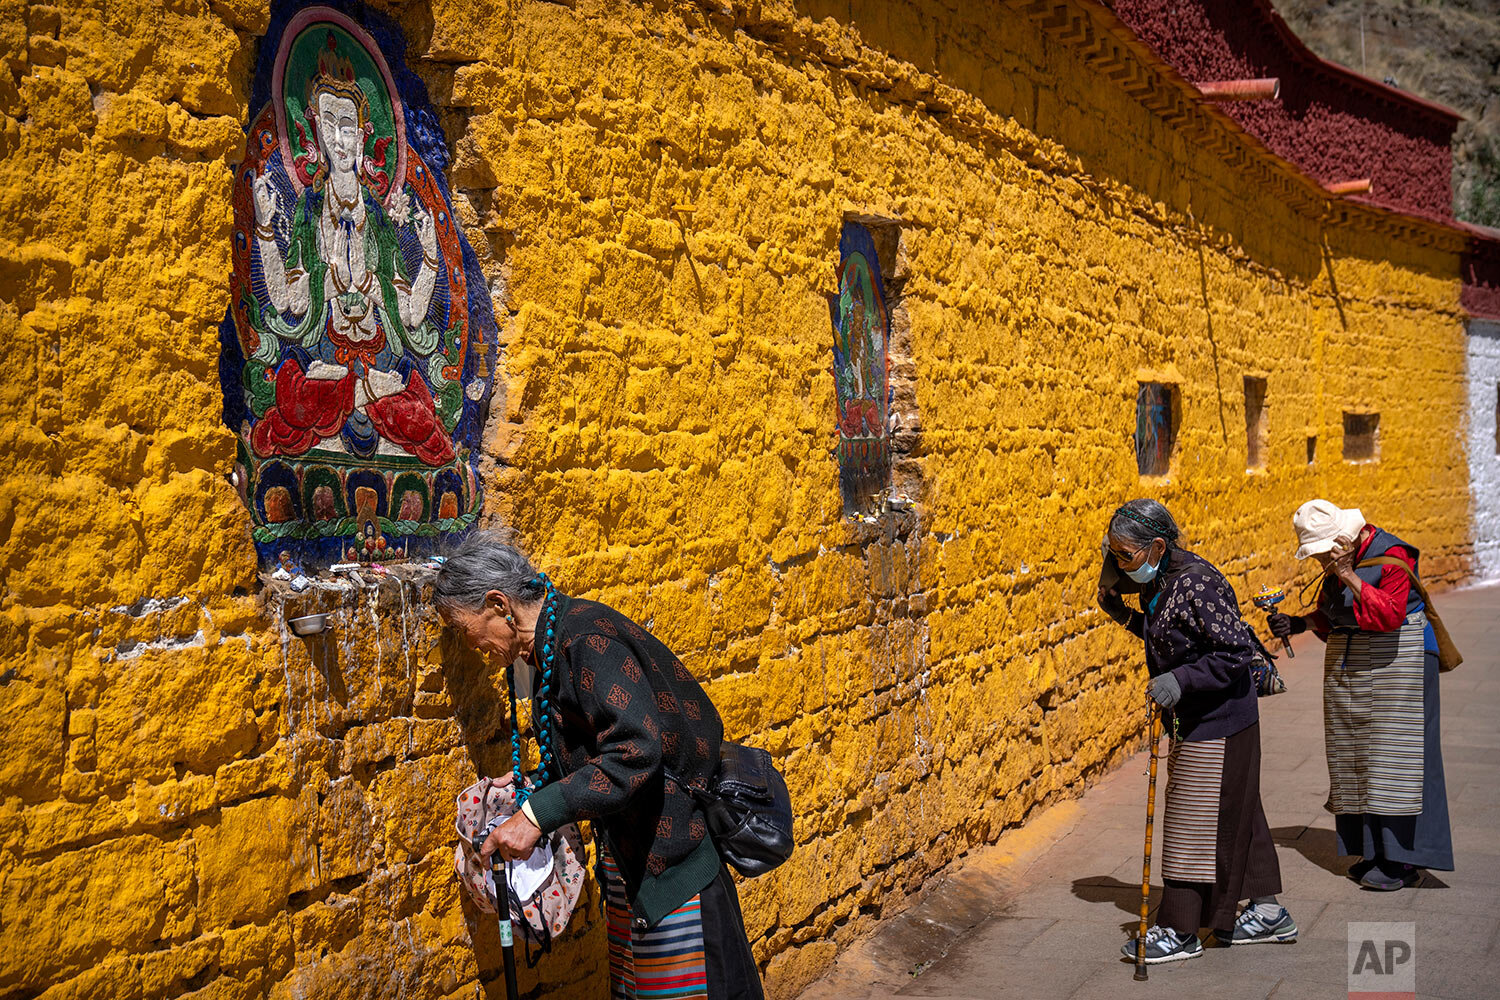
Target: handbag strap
(1393,561)
(1439,629)
(703,796)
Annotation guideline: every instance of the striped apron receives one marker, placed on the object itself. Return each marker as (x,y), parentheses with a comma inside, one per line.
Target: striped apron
(1190,820)
(665,962)
(1373,719)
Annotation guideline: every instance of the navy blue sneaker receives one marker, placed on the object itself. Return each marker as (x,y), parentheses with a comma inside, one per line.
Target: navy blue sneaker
(1252,928)
(1164,945)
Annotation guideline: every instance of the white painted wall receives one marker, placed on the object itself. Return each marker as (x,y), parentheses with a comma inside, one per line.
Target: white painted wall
(1484,463)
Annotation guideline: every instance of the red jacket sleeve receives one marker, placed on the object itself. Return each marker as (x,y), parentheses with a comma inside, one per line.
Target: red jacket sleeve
(1382,608)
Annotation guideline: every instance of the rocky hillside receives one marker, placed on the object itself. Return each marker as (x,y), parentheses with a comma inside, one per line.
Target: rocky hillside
(1444,50)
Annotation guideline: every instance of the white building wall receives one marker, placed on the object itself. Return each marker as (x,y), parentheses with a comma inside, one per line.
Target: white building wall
(1484,461)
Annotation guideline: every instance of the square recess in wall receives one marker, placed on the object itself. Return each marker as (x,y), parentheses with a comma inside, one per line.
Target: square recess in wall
(1255,422)
(1156,419)
(1361,437)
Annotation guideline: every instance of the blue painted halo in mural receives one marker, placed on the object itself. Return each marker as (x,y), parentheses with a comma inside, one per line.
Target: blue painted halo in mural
(862,332)
(358,350)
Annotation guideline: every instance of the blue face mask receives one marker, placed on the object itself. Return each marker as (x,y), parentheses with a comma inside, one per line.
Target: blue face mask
(1144,573)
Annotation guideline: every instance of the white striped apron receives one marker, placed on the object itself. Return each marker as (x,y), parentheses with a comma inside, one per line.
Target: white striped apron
(1373,719)
(1190,820)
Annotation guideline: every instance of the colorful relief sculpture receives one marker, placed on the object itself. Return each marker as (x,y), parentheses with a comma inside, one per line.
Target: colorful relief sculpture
(355,351)
(862,332)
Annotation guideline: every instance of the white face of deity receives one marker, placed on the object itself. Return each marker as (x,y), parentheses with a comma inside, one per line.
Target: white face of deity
(339,133)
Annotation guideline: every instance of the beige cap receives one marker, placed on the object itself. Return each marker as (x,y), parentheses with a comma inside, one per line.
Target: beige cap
(1320,523)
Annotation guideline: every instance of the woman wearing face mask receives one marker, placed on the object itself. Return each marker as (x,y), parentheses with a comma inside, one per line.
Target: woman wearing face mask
(1216,846)
(1380,691)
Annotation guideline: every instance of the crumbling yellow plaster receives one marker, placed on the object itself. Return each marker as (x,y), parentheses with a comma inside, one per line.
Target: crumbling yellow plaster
(191,800)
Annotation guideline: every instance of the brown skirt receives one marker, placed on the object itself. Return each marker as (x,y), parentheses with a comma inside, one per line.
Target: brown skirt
(1245,865)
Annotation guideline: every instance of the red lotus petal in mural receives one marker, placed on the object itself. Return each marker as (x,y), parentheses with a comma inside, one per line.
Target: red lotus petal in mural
(861,419)
(409,419)
(306,410)
(274,436)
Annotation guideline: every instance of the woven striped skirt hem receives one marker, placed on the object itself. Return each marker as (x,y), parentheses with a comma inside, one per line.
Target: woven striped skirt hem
(1190,820)
(665,962)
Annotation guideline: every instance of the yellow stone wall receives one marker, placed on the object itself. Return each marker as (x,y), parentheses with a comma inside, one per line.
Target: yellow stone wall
(192,800)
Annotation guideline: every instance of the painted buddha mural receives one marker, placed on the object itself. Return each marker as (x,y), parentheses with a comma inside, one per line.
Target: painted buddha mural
(355,351)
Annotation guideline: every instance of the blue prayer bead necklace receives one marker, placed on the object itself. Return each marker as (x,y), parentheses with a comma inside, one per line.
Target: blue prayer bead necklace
(541,705)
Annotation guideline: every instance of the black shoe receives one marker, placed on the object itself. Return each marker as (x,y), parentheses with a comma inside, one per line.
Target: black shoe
(1388,876)
(1358,869)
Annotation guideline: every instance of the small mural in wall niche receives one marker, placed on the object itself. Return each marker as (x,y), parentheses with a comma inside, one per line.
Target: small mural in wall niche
(359,347)
(861,344)
(1155,428)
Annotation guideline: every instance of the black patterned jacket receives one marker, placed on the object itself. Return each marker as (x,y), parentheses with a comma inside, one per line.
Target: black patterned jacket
(1192,627)
(624,711)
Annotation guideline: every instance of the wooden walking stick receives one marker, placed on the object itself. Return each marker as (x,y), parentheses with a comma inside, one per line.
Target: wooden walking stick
(1140,941)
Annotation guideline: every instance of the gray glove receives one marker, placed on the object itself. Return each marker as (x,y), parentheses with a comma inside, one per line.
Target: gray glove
(1164,689)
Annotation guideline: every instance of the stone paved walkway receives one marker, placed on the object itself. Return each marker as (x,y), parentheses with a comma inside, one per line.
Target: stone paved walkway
(1042,914)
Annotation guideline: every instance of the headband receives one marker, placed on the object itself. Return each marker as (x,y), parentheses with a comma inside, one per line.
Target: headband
(1164,531)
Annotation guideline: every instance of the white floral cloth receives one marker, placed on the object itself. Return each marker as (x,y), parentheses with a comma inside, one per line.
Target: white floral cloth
(544,887)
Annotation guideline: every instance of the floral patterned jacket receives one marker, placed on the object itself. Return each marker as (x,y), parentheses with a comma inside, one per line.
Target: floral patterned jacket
(1191,624)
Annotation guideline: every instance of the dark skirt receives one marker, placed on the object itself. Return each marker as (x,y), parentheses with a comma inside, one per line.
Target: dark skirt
(1245,861)
(732,974)
(1423,840)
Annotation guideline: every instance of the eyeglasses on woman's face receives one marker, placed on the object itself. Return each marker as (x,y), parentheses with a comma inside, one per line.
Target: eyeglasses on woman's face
(1129,557)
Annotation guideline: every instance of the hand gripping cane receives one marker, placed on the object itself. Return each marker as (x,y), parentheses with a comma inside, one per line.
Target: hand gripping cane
(1140,941)
(1266,600)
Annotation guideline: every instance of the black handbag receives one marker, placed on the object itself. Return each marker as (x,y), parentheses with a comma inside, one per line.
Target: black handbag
(748,808)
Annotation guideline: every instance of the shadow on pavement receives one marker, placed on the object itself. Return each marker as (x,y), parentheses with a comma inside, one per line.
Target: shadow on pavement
(1125,896)
(1316,845)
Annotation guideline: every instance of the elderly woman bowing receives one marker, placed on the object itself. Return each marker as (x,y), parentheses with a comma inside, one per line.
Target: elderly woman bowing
(1217,847)
(627,725)
(1381,716)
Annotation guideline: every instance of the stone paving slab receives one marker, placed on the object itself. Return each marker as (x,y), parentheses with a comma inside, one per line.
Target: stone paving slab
(1065,890)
